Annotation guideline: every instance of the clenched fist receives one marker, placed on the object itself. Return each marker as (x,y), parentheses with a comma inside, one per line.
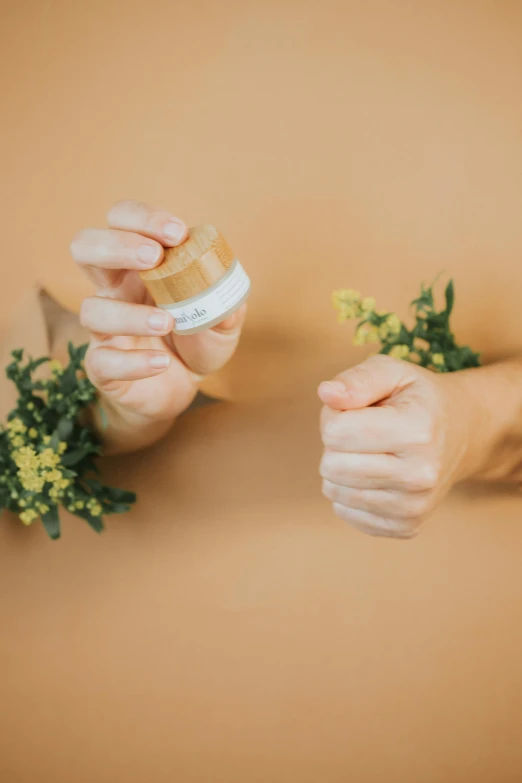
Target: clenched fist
(146,374)
(396,438)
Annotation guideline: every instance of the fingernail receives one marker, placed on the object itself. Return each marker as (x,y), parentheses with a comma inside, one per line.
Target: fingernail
(148,254)
(159,322)
(335,386)
(174,231)
(159,361)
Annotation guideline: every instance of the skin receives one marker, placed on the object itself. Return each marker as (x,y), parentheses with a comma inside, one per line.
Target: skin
(396,437)
(146,374)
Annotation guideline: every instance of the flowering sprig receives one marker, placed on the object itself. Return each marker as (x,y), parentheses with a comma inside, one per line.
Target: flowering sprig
(430,343)
(47,456)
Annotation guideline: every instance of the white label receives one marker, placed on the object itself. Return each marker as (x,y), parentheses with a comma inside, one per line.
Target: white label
(225,295)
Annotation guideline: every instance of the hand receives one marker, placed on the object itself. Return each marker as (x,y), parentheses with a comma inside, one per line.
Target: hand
(146,374)
(396,438)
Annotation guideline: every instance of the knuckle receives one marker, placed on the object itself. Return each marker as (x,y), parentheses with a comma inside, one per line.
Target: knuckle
(422,434)
(331,434)
(95,364)
(323,467)
(77,242)
(330,490)
(423,478)
(391,528)
(382,360)
(343,512)
(404,534)
(155,220)
(360,376)
(86,311)
(331,469)
(415,510)
(324,416)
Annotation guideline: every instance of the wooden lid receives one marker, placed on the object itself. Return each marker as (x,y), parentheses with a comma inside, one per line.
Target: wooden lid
(190,268)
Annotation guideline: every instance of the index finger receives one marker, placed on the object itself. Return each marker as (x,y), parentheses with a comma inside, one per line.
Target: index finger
(158,224)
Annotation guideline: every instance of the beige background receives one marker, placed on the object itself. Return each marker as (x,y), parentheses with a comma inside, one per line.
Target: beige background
(232,629)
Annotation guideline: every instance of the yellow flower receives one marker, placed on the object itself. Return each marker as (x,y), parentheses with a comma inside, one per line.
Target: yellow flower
(30,480)
(438,359)
(52,476)
(30,406)
(28,516)
(79,504)
(390,328)
(56,367)
(49,458)
(394,323)
(17,441)
(26,458)
(366,333)
(22,503)
(346,312)
(42,508)
(59,396)
(62,446)
(16,425)
(346,296)
(33,433)
(399,352)
(368,304)
(46,439)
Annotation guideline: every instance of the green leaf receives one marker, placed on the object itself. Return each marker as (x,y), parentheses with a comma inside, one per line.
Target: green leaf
(33,365)
(75,455)
(120,495)
(425,300)
(95,522)
(71,350)
(64,428)
(450,298)
(103,417)
(81,350)
(91,467)
(117,508)
(51,523)
(68,380)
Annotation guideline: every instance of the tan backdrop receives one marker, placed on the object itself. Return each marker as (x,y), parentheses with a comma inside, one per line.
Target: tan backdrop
(231,628)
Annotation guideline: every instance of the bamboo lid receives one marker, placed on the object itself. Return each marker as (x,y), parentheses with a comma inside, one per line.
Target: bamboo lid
(190,268)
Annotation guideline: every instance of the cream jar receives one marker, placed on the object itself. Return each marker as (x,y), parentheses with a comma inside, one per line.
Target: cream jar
(200,282)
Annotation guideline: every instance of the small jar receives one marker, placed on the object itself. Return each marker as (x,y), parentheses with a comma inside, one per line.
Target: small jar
(200,282)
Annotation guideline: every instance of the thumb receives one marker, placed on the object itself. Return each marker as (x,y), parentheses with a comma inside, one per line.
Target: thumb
(208,351)
(365,384)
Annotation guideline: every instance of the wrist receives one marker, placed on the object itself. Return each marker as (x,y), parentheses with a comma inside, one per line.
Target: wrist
(488,415)
(123,431)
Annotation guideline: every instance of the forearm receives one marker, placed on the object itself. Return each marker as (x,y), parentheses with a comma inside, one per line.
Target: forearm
(494,397)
